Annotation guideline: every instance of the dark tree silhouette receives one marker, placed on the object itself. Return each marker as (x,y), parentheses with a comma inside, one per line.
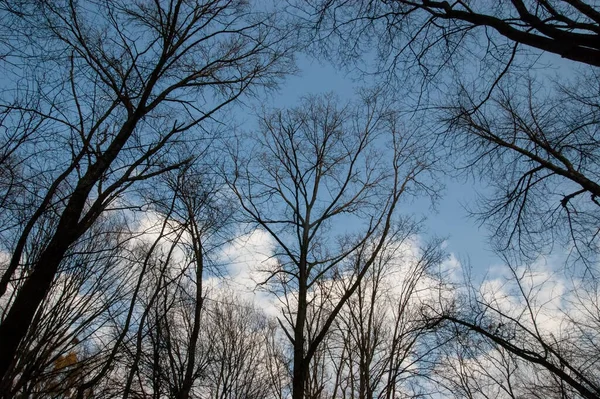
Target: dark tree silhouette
(117,86)
(313,166)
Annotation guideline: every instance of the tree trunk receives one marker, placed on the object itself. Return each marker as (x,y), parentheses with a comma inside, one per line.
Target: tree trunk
(14,327)
(300,363)
(29,297)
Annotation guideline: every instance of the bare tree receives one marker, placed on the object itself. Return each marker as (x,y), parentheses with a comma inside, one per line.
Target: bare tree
(238,333)
(531,333)
(434,32)
(379,346)
(231,356)
(548,187)
(198,209)
(543,134)
(312,171)
(148,262)
(76,308)
(533,140)
(120,85)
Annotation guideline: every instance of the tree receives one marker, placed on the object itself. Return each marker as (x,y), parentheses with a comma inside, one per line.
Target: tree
(532,332)
(546,137)
(312,168)
(534,140)
(90,283)
(569,29)
(426,29)
(116,87)
(199,216)
(549,187)
(545,193)
(380,343)
(238,334)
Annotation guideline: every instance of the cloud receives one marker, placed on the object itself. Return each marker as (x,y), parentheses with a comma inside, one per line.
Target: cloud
(527,305)
(249,255)
(244,258)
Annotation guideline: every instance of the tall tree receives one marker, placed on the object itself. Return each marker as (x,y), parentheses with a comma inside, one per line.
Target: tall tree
(325,181)
(382,347)
(435,31)
(544,134)
(116,86)
(91,283)
(535,141)
(190,201)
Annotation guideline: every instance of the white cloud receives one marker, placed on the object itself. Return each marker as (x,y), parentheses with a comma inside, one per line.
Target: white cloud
(244,259)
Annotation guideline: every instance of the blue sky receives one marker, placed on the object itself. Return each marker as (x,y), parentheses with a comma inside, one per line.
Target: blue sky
(450,220)
(466,238)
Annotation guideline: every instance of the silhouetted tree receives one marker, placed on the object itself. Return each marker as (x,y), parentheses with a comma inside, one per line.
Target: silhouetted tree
(113,90)
(311,168)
